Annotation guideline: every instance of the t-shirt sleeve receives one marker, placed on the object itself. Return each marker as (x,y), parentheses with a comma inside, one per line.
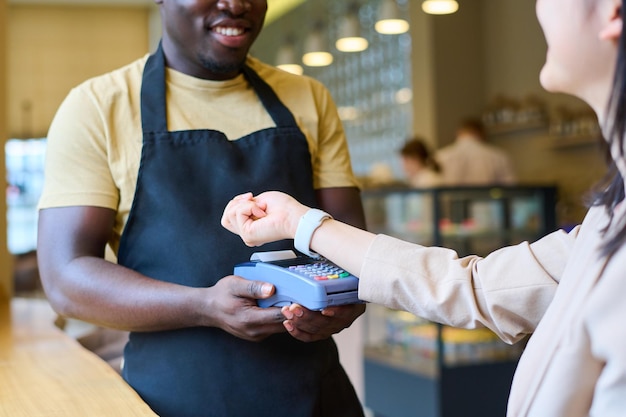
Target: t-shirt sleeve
(76,169)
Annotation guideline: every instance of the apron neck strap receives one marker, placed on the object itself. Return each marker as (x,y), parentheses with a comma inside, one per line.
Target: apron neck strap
(277,110)
(154,107)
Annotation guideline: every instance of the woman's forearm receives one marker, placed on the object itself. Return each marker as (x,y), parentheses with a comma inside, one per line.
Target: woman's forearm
(342,244)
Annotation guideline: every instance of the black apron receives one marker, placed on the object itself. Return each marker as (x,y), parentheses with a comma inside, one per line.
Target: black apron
(173,234)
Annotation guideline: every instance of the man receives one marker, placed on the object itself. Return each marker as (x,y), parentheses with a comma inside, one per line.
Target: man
(470,160)
(144,159)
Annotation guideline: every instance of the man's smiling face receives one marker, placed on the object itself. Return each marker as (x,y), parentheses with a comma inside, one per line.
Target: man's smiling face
(210,38)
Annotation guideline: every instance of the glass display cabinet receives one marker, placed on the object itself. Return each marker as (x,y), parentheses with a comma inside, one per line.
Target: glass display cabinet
(415,368)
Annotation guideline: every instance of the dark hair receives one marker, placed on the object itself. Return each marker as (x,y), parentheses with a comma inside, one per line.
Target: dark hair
(473,125)
(416,148)
(610,190)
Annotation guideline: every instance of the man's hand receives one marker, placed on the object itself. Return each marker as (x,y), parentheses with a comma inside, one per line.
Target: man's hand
(310,326)
(233,308)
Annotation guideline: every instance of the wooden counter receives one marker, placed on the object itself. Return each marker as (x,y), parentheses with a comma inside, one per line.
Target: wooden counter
(44,372)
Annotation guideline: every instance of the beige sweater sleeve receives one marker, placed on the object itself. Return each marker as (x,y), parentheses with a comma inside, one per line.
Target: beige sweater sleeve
(507,291)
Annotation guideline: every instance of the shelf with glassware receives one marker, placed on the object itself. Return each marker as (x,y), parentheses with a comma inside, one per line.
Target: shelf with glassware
(560,135)
(564,127)
(415,367)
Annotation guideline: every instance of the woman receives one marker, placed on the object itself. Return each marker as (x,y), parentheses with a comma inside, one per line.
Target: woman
(421,170)
(567,290)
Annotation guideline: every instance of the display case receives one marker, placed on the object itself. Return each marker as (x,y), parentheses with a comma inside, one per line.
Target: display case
(415,368)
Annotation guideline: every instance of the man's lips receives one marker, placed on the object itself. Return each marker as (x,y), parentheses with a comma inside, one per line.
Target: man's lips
(231,36)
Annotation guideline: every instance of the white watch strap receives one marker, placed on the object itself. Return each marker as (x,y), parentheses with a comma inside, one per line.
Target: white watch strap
(311,220)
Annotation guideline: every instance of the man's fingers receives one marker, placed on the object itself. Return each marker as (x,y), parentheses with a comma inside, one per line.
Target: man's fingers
(253,289)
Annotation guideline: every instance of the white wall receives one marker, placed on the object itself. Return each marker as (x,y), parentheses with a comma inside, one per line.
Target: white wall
(51,49)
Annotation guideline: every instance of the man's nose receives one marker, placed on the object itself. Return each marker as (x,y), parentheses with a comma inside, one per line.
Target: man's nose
(236,7)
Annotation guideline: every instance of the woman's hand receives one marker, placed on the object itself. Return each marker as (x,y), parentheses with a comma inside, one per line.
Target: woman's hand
(310,326)
(268,217)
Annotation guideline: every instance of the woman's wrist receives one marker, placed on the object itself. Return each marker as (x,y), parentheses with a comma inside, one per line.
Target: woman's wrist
(295,215)
(308,223)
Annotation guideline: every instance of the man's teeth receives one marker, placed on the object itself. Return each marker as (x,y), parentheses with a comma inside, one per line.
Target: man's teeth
(229,31)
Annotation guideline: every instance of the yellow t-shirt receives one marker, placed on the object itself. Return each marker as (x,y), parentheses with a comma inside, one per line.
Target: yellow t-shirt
(95,139)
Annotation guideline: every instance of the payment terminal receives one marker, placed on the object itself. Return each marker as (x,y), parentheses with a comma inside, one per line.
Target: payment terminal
(312,283)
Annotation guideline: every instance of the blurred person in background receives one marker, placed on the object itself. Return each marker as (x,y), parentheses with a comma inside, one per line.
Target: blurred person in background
(470,160)
(420,169)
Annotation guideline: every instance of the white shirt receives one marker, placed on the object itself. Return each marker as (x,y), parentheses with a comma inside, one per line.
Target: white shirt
(426,178)
(469,161)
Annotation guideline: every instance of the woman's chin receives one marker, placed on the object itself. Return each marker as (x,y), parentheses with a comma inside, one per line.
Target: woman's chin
(547,81)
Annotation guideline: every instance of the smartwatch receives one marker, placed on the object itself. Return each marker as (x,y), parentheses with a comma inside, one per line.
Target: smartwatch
(308,223)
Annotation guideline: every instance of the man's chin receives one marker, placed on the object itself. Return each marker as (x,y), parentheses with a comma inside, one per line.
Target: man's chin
(222,67)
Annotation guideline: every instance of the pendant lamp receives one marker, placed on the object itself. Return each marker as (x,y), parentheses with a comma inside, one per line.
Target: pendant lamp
(286,59)
(315,52)
(350,39)
(390,22)
(440,6)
